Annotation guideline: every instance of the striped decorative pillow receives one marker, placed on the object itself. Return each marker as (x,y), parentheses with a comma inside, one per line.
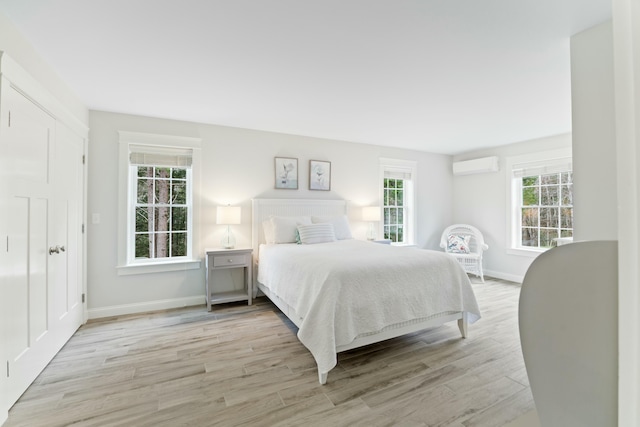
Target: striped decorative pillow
(316,233)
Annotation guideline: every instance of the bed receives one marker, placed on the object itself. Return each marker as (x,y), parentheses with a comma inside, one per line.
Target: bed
(346,293)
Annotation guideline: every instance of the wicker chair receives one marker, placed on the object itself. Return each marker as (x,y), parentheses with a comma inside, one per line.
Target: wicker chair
(466,245)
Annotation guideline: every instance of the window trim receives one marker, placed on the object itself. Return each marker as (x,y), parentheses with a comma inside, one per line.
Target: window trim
(125,265)
(410,211)
(131,220)
(513,206)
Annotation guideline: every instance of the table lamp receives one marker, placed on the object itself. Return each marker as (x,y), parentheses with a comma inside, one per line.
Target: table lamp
(371,214)
(228,215)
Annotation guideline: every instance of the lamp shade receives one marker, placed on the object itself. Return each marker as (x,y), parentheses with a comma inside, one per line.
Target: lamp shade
(229,215)
(371,213)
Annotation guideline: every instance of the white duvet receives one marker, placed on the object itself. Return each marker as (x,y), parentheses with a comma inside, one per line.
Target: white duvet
(350,288)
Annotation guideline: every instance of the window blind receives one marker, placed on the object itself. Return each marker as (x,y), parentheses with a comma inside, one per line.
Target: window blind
(398,173)
(148,155)
(542,167)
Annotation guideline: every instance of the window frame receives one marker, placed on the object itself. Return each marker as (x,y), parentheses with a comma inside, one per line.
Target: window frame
(133,205)
(127,264)
(409,197)
(551,159)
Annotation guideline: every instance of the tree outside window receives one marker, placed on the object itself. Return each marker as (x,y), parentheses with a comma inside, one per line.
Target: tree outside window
(394,209)
(546,209)
(161,212)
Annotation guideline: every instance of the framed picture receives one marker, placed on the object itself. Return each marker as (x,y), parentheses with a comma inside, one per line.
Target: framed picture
(286,172)
(319,175)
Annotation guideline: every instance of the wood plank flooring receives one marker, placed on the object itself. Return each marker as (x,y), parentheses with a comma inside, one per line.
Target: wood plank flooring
(243,365)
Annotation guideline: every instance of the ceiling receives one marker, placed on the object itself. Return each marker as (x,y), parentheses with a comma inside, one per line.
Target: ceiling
(443,76)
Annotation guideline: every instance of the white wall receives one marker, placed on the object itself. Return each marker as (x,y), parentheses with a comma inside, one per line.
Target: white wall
(20,50)
(237,166)
(594,134)
(626,26)
(481,200)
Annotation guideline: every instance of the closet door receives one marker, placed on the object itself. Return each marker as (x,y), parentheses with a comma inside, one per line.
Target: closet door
(27,134)
(29,313)
(65,261)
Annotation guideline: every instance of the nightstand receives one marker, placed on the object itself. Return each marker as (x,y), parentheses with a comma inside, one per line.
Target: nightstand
(226,259)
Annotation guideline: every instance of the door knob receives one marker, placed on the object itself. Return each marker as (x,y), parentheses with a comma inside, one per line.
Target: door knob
(56,250)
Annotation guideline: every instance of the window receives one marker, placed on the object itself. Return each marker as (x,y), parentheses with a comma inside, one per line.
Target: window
(398,200)
(162,211)
(157,206)
(546,211)
(541,200)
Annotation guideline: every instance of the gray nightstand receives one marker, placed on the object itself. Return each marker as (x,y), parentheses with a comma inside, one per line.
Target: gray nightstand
(222,259)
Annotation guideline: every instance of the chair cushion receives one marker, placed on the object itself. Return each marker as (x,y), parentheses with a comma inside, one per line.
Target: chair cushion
(458,244)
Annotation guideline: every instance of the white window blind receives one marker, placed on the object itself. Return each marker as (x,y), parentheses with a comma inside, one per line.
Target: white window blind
(146,155)
(398,173)
(542,167)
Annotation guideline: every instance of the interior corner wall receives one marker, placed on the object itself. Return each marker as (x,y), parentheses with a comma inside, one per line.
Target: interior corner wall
(238,165)
(594,135)
(20,50)
(481,200)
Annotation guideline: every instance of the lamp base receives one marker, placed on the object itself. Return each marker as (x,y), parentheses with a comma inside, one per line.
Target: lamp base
(228,240)
(371,232)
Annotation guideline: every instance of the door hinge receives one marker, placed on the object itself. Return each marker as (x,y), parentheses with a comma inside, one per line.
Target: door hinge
(7,369)
(82,228)
(83,298)
(9,118)
(83,159)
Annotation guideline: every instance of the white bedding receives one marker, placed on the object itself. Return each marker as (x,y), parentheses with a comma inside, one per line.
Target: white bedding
(351,288)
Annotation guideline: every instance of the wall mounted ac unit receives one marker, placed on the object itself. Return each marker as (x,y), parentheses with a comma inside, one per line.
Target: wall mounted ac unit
(482,165)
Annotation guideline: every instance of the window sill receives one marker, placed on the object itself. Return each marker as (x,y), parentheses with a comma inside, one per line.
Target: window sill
(531,253)
(159,267)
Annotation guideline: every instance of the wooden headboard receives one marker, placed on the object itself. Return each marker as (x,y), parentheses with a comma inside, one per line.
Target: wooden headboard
(262,209)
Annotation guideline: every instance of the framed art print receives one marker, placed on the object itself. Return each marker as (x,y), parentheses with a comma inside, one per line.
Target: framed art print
(319,175)
(286,172)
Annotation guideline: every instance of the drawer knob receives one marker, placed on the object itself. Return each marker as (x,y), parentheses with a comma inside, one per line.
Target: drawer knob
(229,260)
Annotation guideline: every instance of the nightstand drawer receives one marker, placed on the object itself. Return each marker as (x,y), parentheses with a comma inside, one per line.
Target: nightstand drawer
(229,260)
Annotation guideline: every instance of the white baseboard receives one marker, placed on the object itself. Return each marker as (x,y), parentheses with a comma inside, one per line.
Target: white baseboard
(143,307)
(504,276)
(4,415)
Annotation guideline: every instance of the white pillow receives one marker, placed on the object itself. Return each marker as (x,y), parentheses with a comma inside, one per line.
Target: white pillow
(267,228)
(284,227)
(316,233)
(340,225)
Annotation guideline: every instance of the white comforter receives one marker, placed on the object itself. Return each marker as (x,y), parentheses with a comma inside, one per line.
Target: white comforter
(350,288)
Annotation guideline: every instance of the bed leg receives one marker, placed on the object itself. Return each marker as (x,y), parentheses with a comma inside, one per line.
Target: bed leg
(462,325)
(322,377)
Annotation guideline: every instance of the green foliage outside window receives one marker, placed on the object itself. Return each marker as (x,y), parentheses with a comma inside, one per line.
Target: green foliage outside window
(161,212)
(393,209)
(547,209)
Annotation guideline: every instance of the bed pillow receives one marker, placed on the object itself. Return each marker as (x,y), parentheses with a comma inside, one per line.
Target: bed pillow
(316,233)
(267,228)
(284,228)
(458,244)
(340,225)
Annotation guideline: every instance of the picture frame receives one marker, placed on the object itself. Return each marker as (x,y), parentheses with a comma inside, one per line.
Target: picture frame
(319,175)
(286,173)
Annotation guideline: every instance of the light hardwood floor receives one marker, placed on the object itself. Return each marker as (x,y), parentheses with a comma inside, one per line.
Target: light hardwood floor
(243,365)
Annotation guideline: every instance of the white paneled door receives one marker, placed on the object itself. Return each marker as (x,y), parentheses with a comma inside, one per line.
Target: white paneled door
(42,190)
(65,259)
